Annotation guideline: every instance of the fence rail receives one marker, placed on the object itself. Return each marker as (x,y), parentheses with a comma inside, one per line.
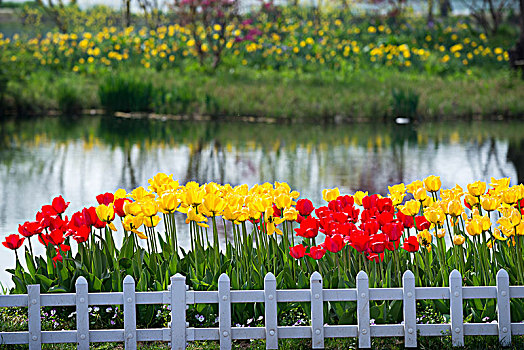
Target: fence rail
(179,297)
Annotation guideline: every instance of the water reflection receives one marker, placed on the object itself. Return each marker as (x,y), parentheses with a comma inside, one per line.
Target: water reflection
(84,157)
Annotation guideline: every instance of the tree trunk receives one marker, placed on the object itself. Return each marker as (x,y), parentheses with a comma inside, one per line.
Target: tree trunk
(445,8)
(430,12)
(516,55)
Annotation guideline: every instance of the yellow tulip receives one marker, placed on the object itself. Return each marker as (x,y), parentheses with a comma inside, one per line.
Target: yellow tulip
(193,195)
(459,240)
(132,208)
(411,208)
(420,194)
(358,196)
(425,238)
(330,194)
(511,195)
(432,183)
(441,233)
(140,194)
(414,186)
(477,188)
(120,193)
(149,208)
(199,219)
(168,202)
(486,223)
(471,200)
(490,203)
(500,184)
(283,201)
(454,208)
(290,214)
(133,222)
(105,213)
(435,215)
(140,234)
(399,189)
(270,222)
(152,221)
(162,182)
(498,235)
(212,204)
(474,227)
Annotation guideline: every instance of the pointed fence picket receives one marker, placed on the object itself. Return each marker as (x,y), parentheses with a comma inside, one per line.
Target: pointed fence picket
(178,298)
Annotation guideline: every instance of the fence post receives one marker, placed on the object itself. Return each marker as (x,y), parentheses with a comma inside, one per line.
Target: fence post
(178,312)
(270,307)
(82,313)
(33,314)
(224,311)
(503,308)
(456,308)
(129,313)
(410,310)
(317,311)
(364,334)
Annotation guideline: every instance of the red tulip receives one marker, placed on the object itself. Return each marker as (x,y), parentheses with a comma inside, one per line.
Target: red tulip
(375,257)
(106,198)
(77,220)
(316,252)
(405,219)
(369,214)
(347,200)
(385,205)
(30,228)
(119,206)
(371,227)
(48,210)
(369,201)
(411,244)
(59,204)
(56,237)
(345,229)
(377,242)
(43,219)
(392,245)
(353,213)
(359,240)
(81,234)
(56,223)
(13,241)
(384,218)
(308,228)
(334,243)
(393,230)
(58,257)
(297,251)
(304,207)
(91,219)
(422,223)
(276,212)
(340,217)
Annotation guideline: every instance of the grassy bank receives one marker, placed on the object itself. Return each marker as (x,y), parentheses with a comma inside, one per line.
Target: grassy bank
(285,95)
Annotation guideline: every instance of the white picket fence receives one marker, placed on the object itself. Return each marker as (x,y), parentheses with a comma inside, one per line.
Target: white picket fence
(179,297)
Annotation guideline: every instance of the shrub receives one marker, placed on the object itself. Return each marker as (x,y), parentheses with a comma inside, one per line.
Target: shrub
(125,93)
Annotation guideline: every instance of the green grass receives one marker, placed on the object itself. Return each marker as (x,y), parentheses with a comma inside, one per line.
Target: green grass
(285,95)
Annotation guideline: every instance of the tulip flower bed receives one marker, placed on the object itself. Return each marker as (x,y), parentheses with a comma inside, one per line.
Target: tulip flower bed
(267,228)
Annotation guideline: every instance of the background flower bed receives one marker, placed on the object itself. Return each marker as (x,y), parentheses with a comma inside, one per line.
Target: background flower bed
(284,62)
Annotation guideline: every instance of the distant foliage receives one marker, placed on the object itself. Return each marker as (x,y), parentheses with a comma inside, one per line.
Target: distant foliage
(125,93)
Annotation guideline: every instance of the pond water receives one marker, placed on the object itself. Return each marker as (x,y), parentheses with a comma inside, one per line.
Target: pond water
(82,158)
